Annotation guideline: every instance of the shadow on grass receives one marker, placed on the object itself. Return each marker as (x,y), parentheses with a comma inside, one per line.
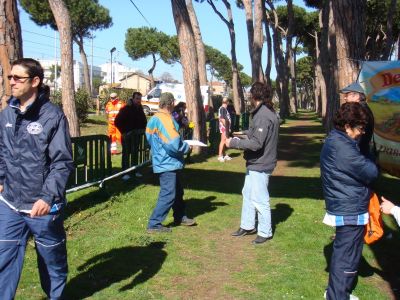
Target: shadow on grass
(101,195)
(103,270)
(280,214)
(197,207)
(232,183)
(300,146)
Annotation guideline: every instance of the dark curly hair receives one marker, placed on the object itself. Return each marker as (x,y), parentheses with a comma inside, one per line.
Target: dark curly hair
(352,114)
(262,92)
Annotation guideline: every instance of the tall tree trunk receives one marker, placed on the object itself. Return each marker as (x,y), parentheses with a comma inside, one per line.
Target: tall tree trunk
(350,43)
(319,83)
(63,21)
(282,82)
(189,63)
(389,34)
(268,67)
(150,71)
(255,36)
(201,53)
(248,9)
(86,76)
(258,39)
(10,45)
(238,96)
(290,60)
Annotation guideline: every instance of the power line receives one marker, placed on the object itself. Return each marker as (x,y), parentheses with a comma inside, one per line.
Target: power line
(140,13)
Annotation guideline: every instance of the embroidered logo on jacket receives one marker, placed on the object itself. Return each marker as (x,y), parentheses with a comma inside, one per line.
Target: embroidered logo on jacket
(34,128)
(8,125)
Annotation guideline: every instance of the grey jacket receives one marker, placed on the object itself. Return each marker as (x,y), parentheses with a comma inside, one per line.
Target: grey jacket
(261,146)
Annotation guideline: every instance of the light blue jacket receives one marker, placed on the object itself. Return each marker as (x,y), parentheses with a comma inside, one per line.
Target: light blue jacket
(167,147)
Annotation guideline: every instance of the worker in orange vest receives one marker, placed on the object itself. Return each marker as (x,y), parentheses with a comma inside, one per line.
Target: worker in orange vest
(112,109)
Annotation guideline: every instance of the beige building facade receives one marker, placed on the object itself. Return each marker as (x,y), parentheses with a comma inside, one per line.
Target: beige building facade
(136,81)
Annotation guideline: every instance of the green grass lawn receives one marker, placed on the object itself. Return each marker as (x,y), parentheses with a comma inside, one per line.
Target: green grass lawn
(112,257)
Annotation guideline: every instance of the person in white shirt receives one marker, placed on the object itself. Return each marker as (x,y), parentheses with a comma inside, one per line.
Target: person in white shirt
(389,208)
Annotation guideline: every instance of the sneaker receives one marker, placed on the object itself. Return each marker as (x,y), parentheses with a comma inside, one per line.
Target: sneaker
(227,157)
(126,177)
(221,159)
(352,297)
(138,175)
(160,229)
(186,222)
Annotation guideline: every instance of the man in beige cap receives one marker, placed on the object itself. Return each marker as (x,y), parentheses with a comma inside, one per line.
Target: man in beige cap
(112,109)
(354,92)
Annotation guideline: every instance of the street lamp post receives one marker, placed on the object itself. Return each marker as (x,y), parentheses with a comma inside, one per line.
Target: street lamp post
(111,53)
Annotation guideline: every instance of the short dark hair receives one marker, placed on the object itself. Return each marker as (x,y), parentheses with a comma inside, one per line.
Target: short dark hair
(262,92)
(136,94)
(352,114)
(32,67)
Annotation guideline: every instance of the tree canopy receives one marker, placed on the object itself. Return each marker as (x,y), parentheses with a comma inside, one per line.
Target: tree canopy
(86,15)
(144,41)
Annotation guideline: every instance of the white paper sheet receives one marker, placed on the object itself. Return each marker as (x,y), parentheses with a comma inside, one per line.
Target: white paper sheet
(195,143)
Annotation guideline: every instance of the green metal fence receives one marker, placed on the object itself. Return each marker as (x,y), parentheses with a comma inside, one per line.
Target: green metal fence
(92,159)
(239,123)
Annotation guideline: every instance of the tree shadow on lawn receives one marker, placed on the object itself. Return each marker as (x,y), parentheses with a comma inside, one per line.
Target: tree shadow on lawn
(280,214)
(101,195)
(103,270)
(299,151)
(197,207)
(232,183)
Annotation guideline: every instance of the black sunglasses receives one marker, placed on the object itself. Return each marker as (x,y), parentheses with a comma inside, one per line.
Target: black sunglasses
(17,78)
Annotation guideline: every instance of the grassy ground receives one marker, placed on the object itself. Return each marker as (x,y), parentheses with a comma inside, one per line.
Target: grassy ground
(112,257)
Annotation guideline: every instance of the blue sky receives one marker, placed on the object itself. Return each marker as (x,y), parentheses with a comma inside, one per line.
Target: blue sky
(40,42)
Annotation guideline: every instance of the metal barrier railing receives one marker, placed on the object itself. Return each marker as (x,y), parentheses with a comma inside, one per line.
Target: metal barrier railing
(92,159)
(239,122)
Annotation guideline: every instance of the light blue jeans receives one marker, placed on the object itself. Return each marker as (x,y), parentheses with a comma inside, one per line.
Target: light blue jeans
(256,201)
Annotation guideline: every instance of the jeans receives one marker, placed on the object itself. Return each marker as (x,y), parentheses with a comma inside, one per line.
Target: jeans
(49,235)
(171,195)
(256,200)
(346,255)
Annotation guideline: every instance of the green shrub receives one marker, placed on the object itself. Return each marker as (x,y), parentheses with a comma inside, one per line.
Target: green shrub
(82,103)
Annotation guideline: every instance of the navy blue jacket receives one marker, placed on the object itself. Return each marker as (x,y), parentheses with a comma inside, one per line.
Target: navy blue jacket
(35,153)
(346,174)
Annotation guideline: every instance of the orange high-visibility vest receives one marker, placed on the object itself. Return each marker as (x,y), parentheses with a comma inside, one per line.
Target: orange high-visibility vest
(112,110)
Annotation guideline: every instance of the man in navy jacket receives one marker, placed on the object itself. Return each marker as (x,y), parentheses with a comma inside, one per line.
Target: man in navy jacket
(35,163)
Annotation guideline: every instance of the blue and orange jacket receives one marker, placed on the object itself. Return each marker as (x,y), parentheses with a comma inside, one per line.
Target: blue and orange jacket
(167,147)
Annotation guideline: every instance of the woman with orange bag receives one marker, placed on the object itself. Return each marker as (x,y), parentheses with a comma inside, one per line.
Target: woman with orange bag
(346,176)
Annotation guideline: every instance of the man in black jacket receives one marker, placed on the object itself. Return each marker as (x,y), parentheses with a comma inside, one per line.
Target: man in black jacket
(35,163)
(260,149)
(130,117)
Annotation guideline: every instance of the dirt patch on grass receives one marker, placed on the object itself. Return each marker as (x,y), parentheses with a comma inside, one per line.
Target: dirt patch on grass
(220,260)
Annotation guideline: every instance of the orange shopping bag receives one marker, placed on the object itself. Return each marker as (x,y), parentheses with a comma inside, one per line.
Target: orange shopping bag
(374,227)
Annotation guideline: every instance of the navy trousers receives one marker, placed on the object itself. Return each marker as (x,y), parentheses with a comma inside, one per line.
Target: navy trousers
(171,195)
(347,251)
(49,234)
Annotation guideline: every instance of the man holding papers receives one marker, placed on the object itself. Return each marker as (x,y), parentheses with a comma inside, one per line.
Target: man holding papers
(260,150)
(167,153)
